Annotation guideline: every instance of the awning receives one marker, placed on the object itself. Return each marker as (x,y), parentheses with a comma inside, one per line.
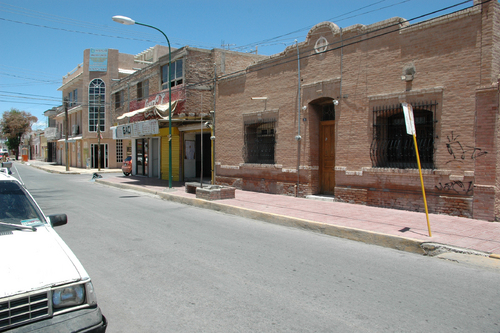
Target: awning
(160,110)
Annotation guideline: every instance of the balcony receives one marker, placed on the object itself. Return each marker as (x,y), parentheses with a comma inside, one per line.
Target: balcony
(52,134)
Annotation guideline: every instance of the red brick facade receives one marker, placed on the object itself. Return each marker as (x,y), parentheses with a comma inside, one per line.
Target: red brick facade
(447,67)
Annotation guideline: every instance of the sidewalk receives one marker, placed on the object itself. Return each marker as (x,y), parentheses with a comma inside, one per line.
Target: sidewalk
(398,229)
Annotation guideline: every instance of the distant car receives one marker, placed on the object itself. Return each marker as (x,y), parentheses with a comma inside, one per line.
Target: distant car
(127,166)
(43,286)
(4,155)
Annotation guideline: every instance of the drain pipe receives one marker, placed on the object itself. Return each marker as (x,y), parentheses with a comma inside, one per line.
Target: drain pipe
(298,137)
(341,60)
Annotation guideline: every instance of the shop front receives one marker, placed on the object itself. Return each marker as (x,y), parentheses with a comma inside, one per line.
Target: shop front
(144,136)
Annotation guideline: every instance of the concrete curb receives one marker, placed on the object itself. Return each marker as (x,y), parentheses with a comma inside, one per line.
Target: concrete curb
(78,172)
(364,236)
(55,171)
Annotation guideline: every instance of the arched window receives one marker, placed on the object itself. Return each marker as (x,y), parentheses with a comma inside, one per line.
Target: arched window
(97,102)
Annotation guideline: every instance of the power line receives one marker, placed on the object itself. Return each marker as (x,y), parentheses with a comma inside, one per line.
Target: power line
(284,59)
(336,19)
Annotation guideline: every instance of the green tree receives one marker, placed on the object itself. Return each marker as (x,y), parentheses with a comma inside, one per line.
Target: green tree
(13,125)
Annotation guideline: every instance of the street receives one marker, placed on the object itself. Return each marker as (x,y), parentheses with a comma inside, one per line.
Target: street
(159,266)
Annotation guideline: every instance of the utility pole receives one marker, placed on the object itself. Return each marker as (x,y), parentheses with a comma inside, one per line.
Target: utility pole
(99,134)
(66,130)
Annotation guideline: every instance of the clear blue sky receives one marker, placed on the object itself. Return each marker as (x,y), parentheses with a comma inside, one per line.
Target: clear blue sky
(44,40)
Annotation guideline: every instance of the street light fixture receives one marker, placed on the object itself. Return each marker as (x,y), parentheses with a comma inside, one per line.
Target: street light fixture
(128,21)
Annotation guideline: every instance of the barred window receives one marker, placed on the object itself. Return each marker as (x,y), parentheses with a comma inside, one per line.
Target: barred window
(119,151)
(260,139)
(392,147)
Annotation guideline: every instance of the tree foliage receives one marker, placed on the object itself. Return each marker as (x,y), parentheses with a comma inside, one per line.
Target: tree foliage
(13,125)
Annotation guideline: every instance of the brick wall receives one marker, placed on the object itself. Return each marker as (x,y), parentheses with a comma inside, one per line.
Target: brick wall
(454,57)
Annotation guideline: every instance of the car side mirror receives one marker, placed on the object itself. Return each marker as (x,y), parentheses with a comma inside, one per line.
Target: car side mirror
(58,219)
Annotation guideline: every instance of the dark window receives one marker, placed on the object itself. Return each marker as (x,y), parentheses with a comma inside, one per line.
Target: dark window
(260,139)
(73,98)
(328,112)
(392,147)
(142,90)
(118,99)
(174,75)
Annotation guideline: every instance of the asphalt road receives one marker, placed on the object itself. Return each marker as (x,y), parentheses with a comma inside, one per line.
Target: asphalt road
(164,267)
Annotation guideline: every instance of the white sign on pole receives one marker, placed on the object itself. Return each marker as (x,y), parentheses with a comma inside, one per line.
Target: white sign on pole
(410,123)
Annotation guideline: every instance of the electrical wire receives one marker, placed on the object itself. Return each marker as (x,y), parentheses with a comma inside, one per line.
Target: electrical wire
(284,59)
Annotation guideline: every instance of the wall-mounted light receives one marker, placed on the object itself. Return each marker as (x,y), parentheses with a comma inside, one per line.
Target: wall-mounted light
(304,108)
(262,99)
(335,102)
(406,78)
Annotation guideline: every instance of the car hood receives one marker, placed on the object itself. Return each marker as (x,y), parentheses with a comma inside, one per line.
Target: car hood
(32,260)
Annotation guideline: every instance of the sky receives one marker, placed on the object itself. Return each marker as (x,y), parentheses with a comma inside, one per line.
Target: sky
(44,40)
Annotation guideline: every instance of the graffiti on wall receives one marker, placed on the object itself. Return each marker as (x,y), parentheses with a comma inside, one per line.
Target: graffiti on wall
(460,152)
(457,186)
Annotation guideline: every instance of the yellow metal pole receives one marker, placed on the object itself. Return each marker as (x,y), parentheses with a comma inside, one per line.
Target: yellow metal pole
(422,182)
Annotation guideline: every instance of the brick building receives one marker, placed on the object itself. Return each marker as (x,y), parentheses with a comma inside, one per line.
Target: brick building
(325,116)
(141,109)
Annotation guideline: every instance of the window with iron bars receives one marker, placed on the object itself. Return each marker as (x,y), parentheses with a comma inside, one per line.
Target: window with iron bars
(260,139)
(119,151)
(392,147)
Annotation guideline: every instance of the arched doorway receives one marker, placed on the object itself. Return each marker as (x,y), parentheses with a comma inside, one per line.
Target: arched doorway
(325,110)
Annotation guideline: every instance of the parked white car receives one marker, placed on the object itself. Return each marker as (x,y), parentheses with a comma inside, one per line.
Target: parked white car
(43,286)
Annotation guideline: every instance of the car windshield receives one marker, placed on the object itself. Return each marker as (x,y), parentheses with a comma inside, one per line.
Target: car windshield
(17,207)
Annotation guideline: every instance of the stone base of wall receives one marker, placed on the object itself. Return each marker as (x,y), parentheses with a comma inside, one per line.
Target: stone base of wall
(229,181)
(454,206)
(412,201)
(267,186)
(458,199)
(484,203)
(351,195)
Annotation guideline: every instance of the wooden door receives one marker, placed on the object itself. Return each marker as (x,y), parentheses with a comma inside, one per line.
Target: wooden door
(327,156)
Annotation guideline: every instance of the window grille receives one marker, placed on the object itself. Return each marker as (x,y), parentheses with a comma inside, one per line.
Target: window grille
(119,151)
(260,139)
(328,112)
(392,147)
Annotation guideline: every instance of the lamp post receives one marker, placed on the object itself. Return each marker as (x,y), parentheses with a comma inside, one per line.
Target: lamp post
(128,21)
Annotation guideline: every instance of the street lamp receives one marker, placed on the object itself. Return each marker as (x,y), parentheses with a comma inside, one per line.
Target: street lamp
(128,21)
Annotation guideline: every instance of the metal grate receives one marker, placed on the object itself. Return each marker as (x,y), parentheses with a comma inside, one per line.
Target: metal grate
(21,310)
(119,150)
(392,147)
(260,139)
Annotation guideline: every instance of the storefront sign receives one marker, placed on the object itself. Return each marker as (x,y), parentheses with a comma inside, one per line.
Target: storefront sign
(98,60)
(136,130)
